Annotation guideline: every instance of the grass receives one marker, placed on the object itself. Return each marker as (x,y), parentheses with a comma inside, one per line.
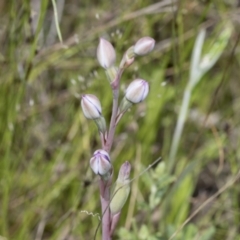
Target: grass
(47,189)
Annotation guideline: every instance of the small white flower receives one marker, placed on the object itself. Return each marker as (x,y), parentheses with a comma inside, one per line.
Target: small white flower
(137,91)
(91,106)
(106,54)
(144,46)
(100,162)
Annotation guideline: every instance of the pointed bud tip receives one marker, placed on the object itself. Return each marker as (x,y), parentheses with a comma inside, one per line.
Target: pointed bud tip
(124,171)
(106,54)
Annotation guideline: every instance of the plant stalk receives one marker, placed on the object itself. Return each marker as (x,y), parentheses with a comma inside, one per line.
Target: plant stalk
(104,186)
(112,127)
(179,128)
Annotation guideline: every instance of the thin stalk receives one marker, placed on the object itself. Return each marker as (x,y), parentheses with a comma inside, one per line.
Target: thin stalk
(105,199)
(195,76)
(104,186)
(112,127)
(179,128)
(57,19)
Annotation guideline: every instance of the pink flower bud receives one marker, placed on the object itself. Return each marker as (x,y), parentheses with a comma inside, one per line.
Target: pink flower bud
(137,91)
(144,46)
(106,54)
(100,162)
(91,106)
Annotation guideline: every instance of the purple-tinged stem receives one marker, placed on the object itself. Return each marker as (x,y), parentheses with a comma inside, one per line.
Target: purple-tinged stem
(112,127)
(103,185)
(105,198)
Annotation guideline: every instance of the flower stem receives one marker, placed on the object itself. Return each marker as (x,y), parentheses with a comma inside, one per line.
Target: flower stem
(105,198)
(104,186)
(112,127)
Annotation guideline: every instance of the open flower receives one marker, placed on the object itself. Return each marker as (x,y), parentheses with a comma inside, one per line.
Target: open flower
(137,91)
(106,54)
(91,106)
(144,46)
(100,162)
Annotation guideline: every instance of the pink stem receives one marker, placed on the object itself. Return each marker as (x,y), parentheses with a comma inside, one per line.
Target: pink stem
(115,89)
(105,198)
(103,185)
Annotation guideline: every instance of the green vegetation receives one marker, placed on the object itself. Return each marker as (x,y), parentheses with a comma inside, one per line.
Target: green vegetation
(47,189)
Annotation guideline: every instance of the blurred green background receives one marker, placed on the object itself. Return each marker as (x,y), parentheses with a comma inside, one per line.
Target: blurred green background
(47,189)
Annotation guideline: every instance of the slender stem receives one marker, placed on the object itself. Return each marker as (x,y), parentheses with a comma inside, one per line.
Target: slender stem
(104,186)
(179,128)
(112,127)
(105,198)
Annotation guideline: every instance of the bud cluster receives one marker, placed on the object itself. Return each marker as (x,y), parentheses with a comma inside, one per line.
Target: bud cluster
(135,93)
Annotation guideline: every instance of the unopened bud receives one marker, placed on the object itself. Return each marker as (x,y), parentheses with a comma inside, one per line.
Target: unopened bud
(144,46)
(106,54)
(92,110)
(128,58)
(91,106)
(137,91)
(121,189)
(100,163)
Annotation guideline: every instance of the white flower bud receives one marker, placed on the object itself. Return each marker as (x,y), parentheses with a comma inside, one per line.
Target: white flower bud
(106,54)
(137,91)
(100,162)
(144,46)
(91,106)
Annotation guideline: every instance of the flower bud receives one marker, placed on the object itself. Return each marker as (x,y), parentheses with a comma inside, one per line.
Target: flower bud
(121,189)
(144,46)
(100,162)
(128,58)
(91,106)
(137,91)
(106,54)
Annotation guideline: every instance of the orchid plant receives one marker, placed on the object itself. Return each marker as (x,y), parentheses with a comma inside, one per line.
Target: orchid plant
(114,196)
